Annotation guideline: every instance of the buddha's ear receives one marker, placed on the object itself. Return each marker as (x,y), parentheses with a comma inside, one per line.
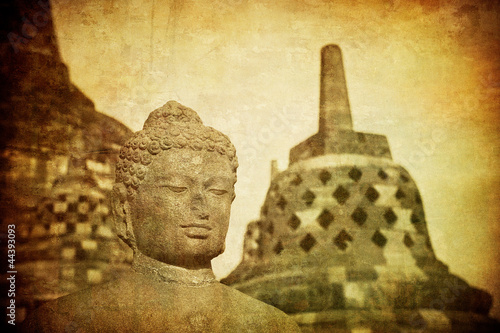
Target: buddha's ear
(233,195)
(121,214)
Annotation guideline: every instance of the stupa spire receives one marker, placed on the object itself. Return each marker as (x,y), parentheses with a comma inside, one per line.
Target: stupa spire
(334,109)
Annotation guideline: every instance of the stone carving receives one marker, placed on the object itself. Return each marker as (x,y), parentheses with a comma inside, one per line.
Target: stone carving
(57,155)
(172,200)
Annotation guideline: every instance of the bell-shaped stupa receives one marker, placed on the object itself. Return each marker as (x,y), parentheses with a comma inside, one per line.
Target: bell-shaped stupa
(342,243)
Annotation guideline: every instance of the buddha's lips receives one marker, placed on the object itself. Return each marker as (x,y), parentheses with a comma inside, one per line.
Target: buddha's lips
(196,225)
(197,230)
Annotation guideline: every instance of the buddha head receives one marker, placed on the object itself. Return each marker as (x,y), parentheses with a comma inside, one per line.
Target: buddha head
(174,188)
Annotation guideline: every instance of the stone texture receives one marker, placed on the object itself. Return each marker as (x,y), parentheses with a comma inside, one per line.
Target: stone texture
(56,165)
(342,242)
(172,208)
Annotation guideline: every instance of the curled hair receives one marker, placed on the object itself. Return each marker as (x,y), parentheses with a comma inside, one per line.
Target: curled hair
(172,126)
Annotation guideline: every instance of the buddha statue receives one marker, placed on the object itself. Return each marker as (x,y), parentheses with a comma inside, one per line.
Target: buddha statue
(171,201)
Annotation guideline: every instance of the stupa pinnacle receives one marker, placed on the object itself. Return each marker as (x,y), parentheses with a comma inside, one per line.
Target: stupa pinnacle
(336,134)
(334,109)
(342,242)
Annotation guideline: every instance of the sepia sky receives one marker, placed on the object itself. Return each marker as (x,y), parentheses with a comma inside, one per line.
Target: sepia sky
(426,76)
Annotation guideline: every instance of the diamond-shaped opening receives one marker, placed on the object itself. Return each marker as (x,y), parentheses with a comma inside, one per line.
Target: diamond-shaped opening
(325,219)
(83,217)
(400,194)
(408,241)
(60,217)
(341,195)
(72,207)
(83,198)
(50,207)
(359,216)
(414,218)
(379,239)
(282,203)
(324,176)
(355,174)
(342,240)
(81,254)
(308,197)
(307,242)
(372,194)
(278,248)
(382,174)
(61,197)
(296,181)
(70,228)
(270,228)
(404,178)
(294,222)
(390,216)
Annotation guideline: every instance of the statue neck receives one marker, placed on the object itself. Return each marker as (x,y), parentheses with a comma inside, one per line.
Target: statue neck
(162,272)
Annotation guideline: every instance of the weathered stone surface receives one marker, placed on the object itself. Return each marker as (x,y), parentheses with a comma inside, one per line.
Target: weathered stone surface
(172,200)
(140,302)
(342,242)
(56,165)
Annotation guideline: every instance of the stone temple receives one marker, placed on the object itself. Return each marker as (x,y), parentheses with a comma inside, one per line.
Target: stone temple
(56,167)
(342,243)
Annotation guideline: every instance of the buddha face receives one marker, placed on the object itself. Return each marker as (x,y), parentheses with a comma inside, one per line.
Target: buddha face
(180,214)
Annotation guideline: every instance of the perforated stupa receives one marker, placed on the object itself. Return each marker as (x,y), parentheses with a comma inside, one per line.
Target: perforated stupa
(342,242)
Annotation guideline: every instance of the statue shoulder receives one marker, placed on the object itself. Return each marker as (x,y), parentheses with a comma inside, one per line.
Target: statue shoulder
(260,316)
(128,300)
(65,314)
(72,312)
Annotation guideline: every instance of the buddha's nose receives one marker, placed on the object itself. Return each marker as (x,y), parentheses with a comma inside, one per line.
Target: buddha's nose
(199,205)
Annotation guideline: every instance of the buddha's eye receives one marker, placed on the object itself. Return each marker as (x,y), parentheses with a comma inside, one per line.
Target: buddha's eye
(176,189)
(217,191)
